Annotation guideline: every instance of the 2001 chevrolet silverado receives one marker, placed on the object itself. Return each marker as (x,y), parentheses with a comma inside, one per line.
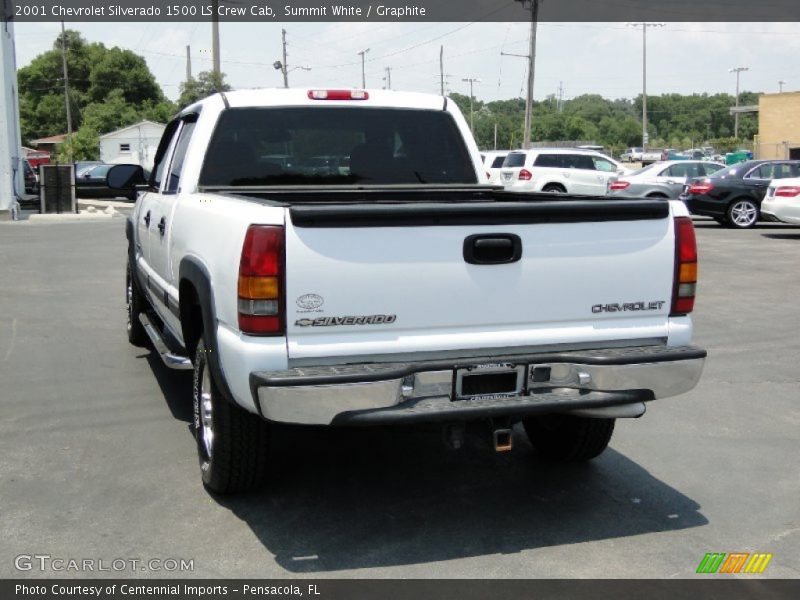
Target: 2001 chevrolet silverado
(331,257)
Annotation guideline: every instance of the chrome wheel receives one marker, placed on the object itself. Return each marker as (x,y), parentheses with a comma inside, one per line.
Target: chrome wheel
(743,213)
(206,414)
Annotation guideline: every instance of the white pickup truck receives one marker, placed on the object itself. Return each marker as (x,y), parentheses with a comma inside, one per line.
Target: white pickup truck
(332,257)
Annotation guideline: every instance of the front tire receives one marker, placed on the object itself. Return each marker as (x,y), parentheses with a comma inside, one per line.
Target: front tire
(567,438)
(742,214)
(232,444)
(135,305)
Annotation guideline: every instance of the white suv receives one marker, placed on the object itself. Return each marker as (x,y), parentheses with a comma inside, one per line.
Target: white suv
(559,170)
(492,162)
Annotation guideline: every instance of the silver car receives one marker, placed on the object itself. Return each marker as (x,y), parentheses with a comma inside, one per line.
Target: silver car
(662,179)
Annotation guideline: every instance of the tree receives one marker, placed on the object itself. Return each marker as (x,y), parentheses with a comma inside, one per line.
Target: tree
(207,83)
(110,87)
(84,144)
(119,69)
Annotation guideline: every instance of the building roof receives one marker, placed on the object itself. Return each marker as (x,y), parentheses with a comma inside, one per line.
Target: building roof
(131,127)
(53,139)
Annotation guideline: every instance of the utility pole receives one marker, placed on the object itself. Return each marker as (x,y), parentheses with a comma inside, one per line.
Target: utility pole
(362,54)
(495,136)
(471,80)
(284,67)
(526,138)
(441,69)
(781,83)
(215,41)
(559,103)
(644,26)
(66,90)
(388,78)
(188,63)
(737,70)
(531,56)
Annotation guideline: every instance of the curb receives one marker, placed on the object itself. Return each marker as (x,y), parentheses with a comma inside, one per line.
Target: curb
(84,216)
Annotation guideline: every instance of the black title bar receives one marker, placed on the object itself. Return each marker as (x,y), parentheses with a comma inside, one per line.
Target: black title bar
(388,589)
(401,10)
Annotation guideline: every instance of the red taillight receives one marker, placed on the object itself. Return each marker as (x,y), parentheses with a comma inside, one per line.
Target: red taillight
(488,175)
(619,185)
(261,281)
(338,95)
(525,175)
(685,282)
(701,188)
(788,191)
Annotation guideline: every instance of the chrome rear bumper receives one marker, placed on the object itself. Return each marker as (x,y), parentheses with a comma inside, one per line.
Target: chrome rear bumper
(429,391)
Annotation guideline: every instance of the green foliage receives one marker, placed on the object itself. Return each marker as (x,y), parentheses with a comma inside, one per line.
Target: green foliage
(207,83)
(109,88)
(83,145)
(674,120)
(125,71)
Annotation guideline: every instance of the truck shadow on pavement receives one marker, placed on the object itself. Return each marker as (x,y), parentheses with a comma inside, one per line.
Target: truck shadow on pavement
(354,498)
(176,386)
(363,498)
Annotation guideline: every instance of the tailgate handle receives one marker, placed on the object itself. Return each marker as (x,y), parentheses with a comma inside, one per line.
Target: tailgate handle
(492,249)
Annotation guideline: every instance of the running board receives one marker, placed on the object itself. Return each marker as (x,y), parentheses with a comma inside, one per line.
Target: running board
(171,359)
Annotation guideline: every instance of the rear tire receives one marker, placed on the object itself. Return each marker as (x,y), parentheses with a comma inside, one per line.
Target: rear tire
(567,438)
(232,444)
(742,213)
(135,305)
(554,188)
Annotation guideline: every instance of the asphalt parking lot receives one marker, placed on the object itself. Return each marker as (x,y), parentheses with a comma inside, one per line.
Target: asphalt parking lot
(97,459)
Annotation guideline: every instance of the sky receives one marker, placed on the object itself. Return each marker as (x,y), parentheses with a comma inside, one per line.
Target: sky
(584,58)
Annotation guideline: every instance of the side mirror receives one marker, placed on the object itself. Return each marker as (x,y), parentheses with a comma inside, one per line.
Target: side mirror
(125,177)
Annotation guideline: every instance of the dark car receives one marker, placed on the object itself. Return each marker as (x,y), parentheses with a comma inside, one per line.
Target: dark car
(82,166)
(733,195)
(31,178)
(92,184)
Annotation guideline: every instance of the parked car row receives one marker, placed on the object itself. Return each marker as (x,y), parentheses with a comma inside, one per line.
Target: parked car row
(734,195)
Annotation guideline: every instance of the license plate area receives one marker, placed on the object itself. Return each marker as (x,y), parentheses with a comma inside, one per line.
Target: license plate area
(489,381)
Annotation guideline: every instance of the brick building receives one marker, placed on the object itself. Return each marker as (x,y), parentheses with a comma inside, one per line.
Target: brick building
(778,126)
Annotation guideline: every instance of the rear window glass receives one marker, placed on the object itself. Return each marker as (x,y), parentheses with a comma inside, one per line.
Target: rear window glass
(335,146)
(515,159)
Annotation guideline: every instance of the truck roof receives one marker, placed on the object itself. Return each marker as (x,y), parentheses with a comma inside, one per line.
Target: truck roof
(264,97)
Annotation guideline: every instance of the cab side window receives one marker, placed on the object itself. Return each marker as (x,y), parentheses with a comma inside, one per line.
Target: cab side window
(179,156)
(159,164)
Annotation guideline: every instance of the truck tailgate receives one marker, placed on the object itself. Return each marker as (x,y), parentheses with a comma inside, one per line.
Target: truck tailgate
(382,282)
